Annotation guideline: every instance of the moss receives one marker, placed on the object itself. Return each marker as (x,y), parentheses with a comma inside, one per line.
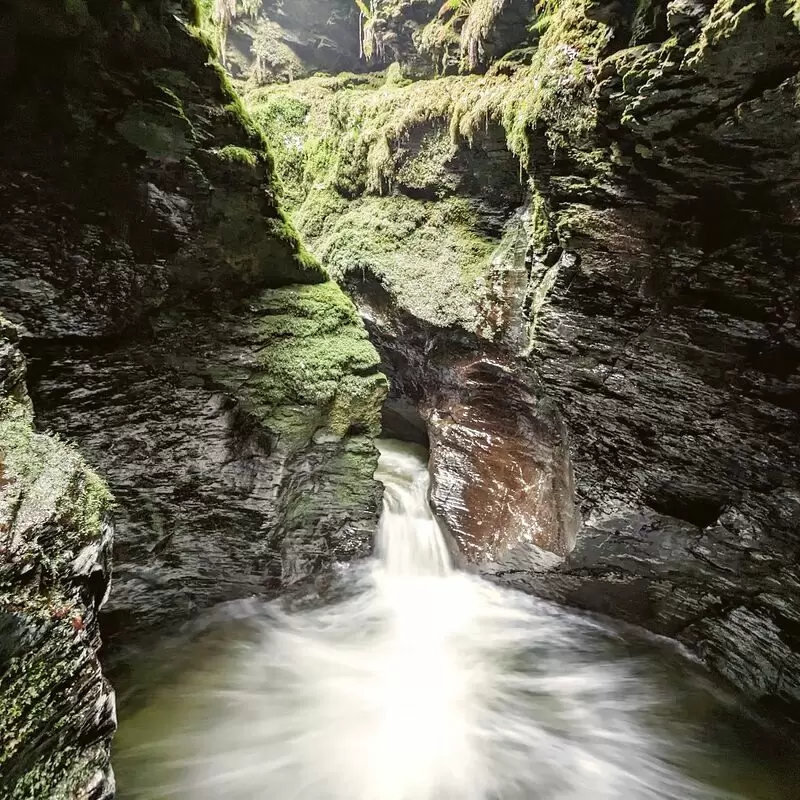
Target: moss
(357,404)
(282,118)
(428,254)
(316,368)
(47,663)
(49,479)
(541,234)
(319,213)
(723,22)
(54,505)
(424,171)
(349,137)
(793,11)
(238,155)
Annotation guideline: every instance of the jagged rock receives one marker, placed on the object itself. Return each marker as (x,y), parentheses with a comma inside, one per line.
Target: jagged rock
(500,464)
(653,303)
(188,344)
(220,494)
(57,712)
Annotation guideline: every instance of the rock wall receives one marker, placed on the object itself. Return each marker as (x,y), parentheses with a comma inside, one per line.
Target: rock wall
(669,342)
(183,339)
(263,41)
(634,294)
(57,712)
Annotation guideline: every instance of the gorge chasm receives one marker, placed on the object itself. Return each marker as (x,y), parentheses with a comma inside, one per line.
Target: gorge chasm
(555,243)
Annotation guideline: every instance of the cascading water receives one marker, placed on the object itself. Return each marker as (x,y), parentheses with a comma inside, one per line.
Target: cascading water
(424,683)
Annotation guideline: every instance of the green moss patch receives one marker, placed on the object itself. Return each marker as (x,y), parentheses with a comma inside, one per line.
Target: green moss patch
(315,368)
(427,254)
(47,488)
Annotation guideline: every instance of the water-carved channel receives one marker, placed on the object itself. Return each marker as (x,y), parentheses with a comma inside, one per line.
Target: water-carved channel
(420,682)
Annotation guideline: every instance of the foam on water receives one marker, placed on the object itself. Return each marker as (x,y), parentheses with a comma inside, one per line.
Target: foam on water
(424,683)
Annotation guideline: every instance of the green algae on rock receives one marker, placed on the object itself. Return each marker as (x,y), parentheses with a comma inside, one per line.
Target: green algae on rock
(313,369)
(54,577)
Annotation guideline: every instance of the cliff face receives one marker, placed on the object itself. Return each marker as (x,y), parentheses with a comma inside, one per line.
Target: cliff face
(183,339)
(590,234)
(670,343)
(266,41)
(57,710)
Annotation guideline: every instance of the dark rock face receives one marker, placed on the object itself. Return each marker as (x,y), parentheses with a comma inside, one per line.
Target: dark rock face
(649,305)
(669,345)
(718,589)
(55,542)
(156,190)
(155,219)
(210,505)
(184,340)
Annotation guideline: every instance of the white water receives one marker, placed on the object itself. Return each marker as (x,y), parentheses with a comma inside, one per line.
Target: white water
(423,684)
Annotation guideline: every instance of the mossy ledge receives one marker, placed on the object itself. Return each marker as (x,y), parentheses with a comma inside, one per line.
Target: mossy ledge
(313,371)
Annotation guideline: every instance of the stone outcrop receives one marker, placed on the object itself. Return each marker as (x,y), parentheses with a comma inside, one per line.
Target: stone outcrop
(57,712)
(182,338)
(501,472)
(647,308)
(669,343)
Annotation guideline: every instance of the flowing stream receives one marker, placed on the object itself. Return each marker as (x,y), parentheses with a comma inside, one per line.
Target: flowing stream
(424,683)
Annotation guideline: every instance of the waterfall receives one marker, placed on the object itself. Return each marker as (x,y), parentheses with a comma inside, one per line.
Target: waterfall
(425,683)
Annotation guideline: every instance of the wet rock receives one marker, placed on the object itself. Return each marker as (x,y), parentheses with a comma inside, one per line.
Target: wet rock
(184,340)
(499,459)
(57,712)
(731,598)
(220,494)
(501,472)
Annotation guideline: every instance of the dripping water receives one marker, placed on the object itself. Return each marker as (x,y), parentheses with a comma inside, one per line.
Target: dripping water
(422,683)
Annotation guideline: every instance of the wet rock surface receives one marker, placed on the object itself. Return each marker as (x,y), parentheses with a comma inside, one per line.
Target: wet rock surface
(685,582)
(501,472)
(184,340)
(57,712)
(211,505)
(650,302)
(669,346)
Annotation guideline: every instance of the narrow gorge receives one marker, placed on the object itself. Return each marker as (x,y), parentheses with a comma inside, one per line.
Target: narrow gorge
(553,245)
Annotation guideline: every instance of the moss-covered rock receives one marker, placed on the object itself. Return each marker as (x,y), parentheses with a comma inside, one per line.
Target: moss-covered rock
(315,369)
(56,710)
(658,146)
(430,255)
(239,378)
(164,184)
(372,171)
